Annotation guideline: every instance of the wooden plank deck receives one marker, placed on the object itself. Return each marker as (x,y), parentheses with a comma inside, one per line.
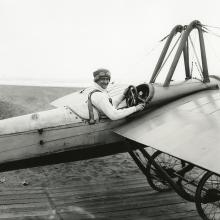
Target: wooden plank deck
(130,199)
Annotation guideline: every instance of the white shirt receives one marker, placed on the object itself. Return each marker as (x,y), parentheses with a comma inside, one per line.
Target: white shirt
(101,101)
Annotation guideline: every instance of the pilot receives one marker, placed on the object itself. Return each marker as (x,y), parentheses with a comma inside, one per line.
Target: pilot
(102,102)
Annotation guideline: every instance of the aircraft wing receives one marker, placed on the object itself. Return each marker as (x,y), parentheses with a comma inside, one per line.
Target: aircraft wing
(188,128)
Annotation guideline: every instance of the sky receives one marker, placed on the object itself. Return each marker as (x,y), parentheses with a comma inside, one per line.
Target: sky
(64,41)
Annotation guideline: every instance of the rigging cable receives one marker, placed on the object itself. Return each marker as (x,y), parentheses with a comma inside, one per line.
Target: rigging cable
(197,64)
(168,55)
(205,25)
(199,70)
(190,39)
(206,30)
(148,52)
(192,65)
(213,49)
(191,71)
(156,45)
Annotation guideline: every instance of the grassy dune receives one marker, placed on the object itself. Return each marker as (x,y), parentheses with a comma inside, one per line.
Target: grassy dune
(18,100)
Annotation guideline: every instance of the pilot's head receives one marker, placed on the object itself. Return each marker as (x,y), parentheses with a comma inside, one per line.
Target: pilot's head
(102,77)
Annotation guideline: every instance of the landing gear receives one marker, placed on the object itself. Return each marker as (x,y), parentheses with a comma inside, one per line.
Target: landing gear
(192,183)
(184,174)
(153,176)
(208,197)
(189,178)
(155,180)
(173,171)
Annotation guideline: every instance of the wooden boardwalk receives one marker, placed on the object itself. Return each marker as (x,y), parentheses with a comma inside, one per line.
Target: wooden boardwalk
(130,199)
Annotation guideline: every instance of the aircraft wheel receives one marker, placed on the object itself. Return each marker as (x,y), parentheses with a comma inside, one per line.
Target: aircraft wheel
(188,181)
(176,169)
(208,197)
(153,176)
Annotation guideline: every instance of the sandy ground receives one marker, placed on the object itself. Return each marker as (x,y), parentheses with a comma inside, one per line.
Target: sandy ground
(18,100)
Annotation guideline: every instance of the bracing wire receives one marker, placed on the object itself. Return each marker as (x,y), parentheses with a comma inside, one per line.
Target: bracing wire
(156,45)
(213,49)
(171,51)
(164,38)
(192,66)
(194,50)
(191,71)
(150,51)
(199,70)
(195,59)
(208,31)
(211,32)
(168,55)
(153,48)
(205,25)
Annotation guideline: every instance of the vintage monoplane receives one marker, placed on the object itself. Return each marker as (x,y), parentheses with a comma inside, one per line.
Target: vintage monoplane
(181,122)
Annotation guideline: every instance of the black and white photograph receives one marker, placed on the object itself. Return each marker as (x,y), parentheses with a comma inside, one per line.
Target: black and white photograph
(109,110)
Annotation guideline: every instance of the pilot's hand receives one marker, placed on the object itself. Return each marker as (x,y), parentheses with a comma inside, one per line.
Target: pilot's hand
(140,107)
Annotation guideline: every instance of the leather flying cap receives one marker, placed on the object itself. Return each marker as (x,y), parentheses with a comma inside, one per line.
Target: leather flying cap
(101,73)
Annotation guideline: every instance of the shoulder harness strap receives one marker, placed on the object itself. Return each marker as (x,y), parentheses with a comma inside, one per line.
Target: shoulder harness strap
(90,107)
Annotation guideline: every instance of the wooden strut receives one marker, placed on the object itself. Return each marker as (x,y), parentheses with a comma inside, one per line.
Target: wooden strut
(194,24)
(174,31)
(183,47)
